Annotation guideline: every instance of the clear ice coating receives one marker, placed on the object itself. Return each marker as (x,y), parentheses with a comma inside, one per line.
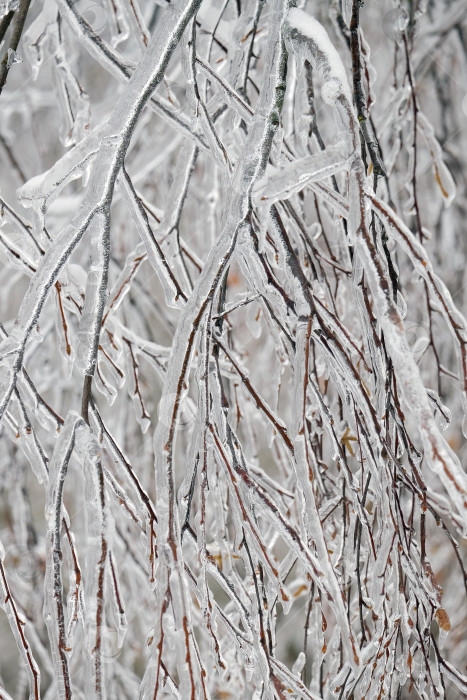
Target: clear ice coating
(233,350)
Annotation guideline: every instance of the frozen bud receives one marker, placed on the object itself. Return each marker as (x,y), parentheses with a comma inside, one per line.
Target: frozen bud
(331,90)
(13,57)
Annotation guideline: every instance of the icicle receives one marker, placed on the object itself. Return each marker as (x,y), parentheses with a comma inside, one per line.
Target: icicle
(443,411)
(347,11)
(442,175)
(134,390)
(173,294)
(292,178)
(116,15)
(43,189)
(36,37)
(299,663)
(17,625)
(444,625)
(28,441)
(464,425)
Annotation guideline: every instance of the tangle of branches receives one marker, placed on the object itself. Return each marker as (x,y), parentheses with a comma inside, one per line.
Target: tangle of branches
(233,359)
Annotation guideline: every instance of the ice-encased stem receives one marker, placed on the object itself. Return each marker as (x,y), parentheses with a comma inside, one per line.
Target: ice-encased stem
(95,298)
(54,606)
(98,546)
